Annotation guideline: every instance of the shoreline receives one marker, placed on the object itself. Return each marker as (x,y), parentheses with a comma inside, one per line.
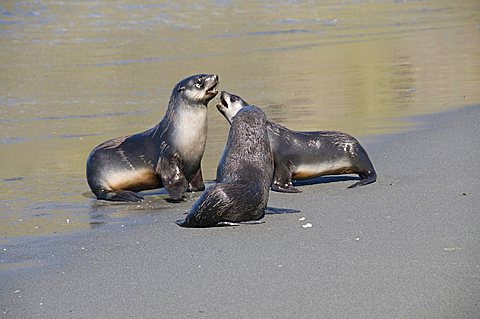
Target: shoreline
(405,246)
(80,215)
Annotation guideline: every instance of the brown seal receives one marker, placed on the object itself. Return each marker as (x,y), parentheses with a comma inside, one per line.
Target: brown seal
(306,155)
(167,155)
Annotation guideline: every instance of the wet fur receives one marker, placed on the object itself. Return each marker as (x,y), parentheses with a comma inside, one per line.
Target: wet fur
(167,155)
(242,192)
(306,155)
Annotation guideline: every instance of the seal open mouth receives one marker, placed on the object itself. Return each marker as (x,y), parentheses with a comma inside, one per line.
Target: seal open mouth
(212,82)
(222,105)
(223,101)
(213,89)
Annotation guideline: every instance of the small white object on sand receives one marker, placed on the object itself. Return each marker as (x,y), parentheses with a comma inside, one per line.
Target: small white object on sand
(307,225)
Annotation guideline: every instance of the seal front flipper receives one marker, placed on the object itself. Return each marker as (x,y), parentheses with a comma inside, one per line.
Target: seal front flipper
(282,179)
(282,182)
(121,196)
(274,210)
(285,188)
(170,171)
(196,183)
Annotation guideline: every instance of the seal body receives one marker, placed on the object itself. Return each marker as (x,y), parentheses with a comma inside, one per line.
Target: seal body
(306,155)
(241,194)
(167,155)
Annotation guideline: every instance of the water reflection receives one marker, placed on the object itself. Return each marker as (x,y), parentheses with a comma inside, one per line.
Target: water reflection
(154,208)
(76,73)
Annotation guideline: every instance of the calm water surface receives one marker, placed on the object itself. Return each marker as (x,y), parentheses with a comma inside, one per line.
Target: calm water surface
(76,73)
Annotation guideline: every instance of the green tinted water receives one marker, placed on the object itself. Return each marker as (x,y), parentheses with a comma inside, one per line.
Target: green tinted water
(76,73)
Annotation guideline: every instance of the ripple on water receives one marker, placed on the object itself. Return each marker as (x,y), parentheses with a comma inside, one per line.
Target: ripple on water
(76,116)
(13,179)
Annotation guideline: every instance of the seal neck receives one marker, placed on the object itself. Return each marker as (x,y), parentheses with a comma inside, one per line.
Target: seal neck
(177,102)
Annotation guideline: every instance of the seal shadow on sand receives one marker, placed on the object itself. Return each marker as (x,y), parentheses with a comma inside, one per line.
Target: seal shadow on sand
(105,212)
(313,181)
(325,180)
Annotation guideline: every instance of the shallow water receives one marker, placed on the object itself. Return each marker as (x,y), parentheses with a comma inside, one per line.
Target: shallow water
(76,73)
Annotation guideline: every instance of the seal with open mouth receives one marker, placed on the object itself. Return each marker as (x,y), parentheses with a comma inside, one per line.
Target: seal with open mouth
(241,194)
(167,155)
(306,155)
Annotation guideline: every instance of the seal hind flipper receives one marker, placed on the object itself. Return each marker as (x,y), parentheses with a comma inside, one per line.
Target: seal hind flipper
(275,211)
(181,223)
(220,203)
(248,222)
(366,178)
(121,196)
(252,222)
(226,224)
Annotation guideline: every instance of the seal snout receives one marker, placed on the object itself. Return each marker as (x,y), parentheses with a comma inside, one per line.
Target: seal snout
(223,99)
(212,83)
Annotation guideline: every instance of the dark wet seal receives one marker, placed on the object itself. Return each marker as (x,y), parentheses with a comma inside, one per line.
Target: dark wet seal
(241,194)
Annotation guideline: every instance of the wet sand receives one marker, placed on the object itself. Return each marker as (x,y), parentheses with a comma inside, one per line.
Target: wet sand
(407,246)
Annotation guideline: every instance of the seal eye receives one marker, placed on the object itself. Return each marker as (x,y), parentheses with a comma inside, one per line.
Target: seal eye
(233,99)
(199,83)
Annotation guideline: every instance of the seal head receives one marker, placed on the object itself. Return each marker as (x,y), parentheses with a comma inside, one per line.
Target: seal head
(230,104)
(198,89)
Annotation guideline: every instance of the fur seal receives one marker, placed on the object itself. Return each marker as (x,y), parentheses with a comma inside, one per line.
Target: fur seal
(306,155)
(241,194)
(167,155)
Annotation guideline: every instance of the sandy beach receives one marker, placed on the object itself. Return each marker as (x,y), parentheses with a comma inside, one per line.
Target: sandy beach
(407,246)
